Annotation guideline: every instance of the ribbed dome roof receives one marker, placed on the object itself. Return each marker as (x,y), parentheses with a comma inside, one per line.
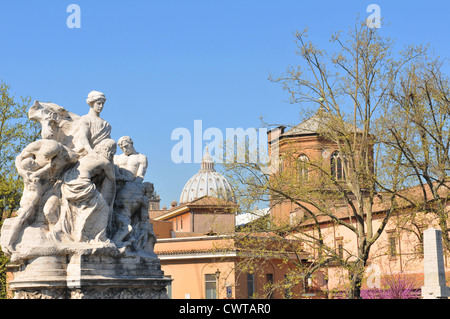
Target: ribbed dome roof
(207,182)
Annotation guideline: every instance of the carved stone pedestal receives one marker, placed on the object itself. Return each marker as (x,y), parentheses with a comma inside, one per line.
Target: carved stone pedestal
(121,289)
(89,277)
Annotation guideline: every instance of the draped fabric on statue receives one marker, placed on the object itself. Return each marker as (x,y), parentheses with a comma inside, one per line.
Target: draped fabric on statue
(98,130)
(84,210)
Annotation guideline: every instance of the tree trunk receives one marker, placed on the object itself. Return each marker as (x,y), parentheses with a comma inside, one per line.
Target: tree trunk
(356,273)
(356,279)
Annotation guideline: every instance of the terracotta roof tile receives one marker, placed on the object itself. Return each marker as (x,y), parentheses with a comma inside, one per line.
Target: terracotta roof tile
(189,251)
(211,201)
(156,213)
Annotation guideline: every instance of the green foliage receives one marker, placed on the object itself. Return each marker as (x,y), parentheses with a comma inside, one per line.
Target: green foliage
(3,261)
(16,131)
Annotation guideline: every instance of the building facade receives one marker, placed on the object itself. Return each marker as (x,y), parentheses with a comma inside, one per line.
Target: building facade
(203,254)
(306,155)
(201,245)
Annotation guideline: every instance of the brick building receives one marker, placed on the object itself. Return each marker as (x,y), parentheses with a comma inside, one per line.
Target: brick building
(398,250)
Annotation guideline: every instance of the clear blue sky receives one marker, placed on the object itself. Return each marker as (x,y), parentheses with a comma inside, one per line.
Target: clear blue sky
(164,64)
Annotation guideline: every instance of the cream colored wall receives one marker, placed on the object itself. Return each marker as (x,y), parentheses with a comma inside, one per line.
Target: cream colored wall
(278,268)
(181,260)
(189,277)
(407,260)
(181,223)
(188,270)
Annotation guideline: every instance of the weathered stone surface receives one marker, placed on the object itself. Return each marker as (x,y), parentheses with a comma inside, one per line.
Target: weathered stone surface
(82,230)
(434,269)
(93,293)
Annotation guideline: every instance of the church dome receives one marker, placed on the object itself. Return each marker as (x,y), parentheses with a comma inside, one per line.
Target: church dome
(207,182)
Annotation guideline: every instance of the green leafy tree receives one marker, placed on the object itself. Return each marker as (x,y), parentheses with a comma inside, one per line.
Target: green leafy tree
(16,131)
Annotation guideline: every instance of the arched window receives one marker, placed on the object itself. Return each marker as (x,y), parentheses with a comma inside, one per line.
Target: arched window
(280,164)
(337,169)
(302,167)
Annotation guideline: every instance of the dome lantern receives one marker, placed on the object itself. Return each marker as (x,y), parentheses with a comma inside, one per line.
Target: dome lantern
(207,182)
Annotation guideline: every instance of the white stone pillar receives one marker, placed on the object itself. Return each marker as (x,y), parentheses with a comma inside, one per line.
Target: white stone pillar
(433,266)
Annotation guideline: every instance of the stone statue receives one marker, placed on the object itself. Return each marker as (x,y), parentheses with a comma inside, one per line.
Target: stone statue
(91,128)
(131,165)
(56,122)
(132,196)
(85,210)
(40,162)
(83,216)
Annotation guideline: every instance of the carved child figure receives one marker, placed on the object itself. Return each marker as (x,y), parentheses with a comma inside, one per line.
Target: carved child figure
(39,162)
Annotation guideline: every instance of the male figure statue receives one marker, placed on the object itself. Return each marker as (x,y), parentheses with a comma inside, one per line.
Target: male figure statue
(131,166)
(131,202)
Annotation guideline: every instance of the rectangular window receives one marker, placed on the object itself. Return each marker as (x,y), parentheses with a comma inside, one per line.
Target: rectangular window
(340,247)
(250,285)
(280,164)
(210,286)
(269,286)
(340,250)
(339,169)
(392,246)
(287,289)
